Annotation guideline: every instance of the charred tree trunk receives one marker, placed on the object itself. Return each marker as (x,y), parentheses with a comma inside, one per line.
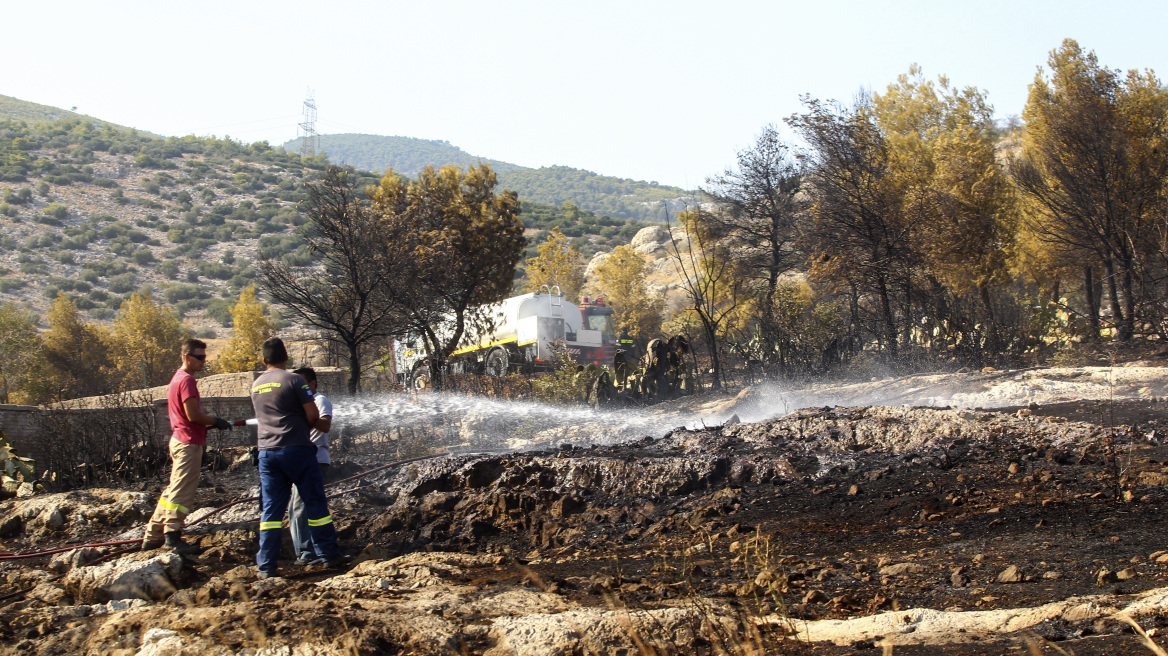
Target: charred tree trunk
(1092,304)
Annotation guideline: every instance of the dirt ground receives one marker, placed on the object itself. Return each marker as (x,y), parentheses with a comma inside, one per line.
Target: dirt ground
(751,534)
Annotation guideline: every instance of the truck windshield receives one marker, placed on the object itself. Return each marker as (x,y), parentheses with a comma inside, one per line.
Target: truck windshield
(600,322)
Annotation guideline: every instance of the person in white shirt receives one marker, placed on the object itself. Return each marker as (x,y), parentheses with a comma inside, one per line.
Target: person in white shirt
(319,435)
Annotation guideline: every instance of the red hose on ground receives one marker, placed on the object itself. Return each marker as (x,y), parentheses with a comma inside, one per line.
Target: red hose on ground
(49,552)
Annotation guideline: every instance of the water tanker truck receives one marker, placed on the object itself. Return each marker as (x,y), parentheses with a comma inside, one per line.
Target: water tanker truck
(528,329)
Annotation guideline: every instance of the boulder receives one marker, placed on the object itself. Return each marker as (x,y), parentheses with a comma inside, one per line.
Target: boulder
(649,238)
(597,260)
(134,576)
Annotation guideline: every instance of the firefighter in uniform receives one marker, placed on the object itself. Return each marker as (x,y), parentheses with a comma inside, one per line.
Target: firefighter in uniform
(629,346)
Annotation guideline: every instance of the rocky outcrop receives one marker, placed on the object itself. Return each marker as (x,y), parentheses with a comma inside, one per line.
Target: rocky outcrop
(73,511)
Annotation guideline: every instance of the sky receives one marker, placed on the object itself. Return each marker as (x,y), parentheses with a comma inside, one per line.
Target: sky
(662,91)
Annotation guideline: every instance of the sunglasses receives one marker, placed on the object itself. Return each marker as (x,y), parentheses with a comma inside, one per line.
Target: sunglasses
(197,357)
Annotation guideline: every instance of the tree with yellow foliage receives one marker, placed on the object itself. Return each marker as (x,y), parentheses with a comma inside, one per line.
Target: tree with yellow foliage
(1093,171)
(20,356)
(146,341)
(558,264)
(253,324)
(77,353)
(620,279)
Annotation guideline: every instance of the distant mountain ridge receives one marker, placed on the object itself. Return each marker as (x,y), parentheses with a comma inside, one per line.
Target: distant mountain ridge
(549,185)
(407,155)
(23,110)
(552,185)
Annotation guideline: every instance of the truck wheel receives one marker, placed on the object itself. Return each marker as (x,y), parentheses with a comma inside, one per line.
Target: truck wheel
(497,363)
(420,379)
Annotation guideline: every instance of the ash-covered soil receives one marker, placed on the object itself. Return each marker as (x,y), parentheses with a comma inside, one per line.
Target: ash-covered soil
(827,531)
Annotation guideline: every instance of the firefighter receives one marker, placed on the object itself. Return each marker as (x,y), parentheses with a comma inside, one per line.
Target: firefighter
(620,367)
(655,365)
(628,344)
(680,379)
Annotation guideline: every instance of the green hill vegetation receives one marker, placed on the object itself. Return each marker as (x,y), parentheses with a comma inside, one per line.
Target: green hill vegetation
(23,110)
(550,185)
(407,156)
(98,213)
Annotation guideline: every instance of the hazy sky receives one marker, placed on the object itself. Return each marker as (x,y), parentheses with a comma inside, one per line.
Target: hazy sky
(665,91)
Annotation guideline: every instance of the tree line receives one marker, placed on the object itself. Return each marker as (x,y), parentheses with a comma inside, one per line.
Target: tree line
(904,224)
(74,358)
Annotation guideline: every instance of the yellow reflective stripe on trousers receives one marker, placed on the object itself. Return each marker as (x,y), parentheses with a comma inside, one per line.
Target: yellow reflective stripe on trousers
(267,526)
(170,505)
(327,519)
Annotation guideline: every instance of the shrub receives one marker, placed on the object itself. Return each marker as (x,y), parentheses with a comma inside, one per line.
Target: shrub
(219,309)
(56,211)
(206,333)
(89,275)
(102,314)
(122,283)
(169,268)
(143,256)
(7,209)
(108,183)
(12,284)
(186,307)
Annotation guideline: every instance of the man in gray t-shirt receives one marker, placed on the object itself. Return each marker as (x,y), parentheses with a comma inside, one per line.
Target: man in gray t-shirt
(284,409)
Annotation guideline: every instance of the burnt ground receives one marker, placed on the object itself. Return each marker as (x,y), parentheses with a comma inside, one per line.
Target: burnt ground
(830,513)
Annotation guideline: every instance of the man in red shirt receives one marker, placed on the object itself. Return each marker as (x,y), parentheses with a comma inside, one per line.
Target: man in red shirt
(188,424)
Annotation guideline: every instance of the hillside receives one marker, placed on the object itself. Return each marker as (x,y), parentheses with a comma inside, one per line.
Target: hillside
(407,156)
(550,185)
(99,213)
(23,110)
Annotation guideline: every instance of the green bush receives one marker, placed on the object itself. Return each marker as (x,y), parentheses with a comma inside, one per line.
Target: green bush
(143,256)
(56,211)
(90,276)
(219,309)
(12,284)
(169,268)
(186,307)
(180,292)
(108,183)
(7,209)
(206,333)
(102,314)
(122,283)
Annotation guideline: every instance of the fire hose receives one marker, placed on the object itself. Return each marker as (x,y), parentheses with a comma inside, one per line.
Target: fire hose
(49,552)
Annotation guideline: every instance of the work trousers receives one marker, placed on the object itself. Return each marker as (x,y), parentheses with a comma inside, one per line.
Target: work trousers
(280,469)
(298,521)
(175,503)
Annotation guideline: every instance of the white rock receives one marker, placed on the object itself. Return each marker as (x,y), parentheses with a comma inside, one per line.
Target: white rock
(652,236)
(64,562)
(597,260)
(135,576)
(160,642)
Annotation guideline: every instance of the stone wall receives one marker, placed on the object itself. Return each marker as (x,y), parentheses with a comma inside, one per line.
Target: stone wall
(222,395)
(20,423)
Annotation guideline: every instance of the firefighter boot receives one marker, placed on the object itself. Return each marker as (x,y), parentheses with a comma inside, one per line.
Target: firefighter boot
(175,543)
